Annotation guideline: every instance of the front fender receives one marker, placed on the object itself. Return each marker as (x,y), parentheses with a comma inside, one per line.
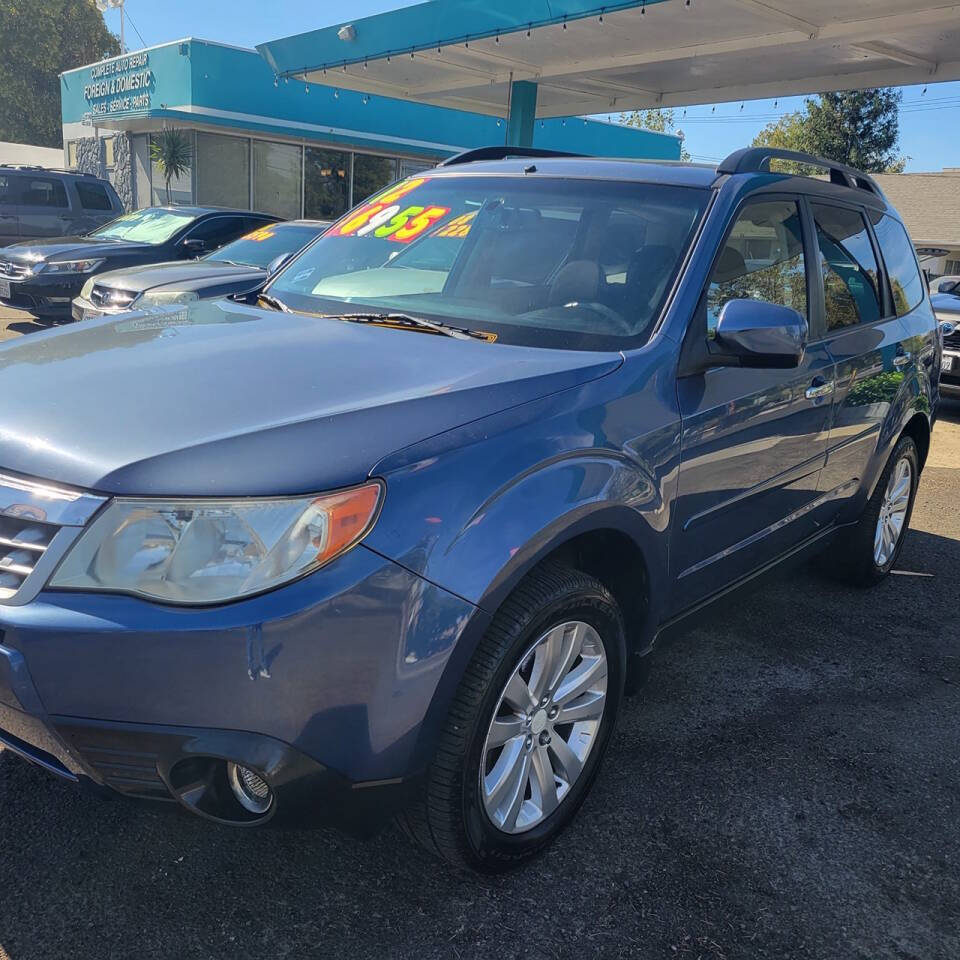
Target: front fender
(473,510)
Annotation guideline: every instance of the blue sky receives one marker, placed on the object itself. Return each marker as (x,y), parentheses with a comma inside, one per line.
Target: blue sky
(928,121)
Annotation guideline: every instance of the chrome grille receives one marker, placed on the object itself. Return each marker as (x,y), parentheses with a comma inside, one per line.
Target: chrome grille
(38,522)
(11,270)
(102,296)
(953,341)
(22,543)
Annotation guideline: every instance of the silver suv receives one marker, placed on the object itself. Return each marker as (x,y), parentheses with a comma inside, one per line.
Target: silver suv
(36,203)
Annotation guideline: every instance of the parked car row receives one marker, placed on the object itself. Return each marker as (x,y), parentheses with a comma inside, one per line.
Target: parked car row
(394,536)
(154,256)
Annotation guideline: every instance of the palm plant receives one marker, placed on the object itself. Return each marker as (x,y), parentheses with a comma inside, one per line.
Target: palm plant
(172,152)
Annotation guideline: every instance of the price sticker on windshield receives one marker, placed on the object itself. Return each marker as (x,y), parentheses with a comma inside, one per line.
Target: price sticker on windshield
(387,219)
(260,234)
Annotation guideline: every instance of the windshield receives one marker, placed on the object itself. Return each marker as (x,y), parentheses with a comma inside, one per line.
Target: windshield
(581,264)
(261,247)
(152,225)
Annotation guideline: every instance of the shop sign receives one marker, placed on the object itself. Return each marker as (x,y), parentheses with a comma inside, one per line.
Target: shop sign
(119,85)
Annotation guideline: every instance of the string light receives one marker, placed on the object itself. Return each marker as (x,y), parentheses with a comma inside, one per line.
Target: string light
(276,80)
(643,8)
(306,88)
(365,99)
(336,94)
(564,23)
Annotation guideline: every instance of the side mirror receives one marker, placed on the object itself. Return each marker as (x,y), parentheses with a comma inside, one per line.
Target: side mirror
(754,333)
(194,247)
(277,262)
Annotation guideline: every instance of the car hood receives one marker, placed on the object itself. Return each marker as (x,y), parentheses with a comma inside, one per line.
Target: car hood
(178,275)
(946,303)
(223,399)
(66,248)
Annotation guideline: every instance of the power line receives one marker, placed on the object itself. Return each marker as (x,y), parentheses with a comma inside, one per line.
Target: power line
(135,30)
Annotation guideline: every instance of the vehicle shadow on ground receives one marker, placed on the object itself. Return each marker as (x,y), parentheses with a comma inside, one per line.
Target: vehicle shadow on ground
(786,786)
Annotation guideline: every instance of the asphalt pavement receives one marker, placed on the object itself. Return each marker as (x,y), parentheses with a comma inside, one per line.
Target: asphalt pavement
(787,786)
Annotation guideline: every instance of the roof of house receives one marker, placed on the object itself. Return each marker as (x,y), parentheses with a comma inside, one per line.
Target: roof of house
(929,204)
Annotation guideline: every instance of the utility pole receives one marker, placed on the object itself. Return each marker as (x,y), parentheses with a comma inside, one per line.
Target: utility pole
(103,6)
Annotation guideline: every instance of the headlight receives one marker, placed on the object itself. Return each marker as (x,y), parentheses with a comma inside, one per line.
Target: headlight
(167,297)
(68,266)
(211,551)
(87,288)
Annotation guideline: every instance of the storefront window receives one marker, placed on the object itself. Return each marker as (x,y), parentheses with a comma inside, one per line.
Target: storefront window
(326,183)
(276,179)
(181,188)
(409,167)
(223,171)
(371,174)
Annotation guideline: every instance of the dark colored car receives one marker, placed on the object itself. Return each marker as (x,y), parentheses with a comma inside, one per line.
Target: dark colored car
(44,277)
(240,267)
(395,538)
(36,203)
(946,306)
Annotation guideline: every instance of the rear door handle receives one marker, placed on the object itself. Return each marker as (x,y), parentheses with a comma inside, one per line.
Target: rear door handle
(819,388)
(902,359)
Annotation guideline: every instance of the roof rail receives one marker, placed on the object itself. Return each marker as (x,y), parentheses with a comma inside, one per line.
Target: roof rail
(757,160)
(34,166)
(502,153)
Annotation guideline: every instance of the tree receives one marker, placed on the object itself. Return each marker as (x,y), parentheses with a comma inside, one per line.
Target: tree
(172,152)
(662,120)
(857,127)
(39,40)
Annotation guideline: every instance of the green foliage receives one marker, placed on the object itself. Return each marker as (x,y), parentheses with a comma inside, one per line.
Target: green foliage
(662,120)
(38,40)
(172,151)
(857,127)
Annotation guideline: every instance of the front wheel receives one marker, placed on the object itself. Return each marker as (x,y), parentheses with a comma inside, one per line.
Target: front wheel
(528,726)
(871,547)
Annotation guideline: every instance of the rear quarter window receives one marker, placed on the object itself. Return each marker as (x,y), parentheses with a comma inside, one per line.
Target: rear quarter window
(906,284)
(93,196)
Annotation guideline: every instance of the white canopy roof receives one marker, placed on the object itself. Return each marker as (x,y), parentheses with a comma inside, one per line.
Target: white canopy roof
(661,53)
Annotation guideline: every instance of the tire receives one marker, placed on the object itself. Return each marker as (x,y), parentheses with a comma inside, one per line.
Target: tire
(457,818)
(855,559)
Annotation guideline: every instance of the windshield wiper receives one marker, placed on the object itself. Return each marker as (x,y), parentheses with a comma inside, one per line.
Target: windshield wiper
(413,323)
(273,302)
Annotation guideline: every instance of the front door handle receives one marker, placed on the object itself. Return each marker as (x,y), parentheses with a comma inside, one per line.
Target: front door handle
(819,388)
(902,359)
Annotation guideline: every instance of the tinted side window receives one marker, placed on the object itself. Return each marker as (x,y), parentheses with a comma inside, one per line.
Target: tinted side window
(93,196)
(762,260)
(906,283)
(851,284)
(8,190)
(217,231)
(43,193)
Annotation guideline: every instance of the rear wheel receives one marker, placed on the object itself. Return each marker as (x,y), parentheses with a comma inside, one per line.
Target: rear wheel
(871,548)
(528,726)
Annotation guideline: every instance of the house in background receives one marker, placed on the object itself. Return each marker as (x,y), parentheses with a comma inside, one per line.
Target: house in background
(930,206)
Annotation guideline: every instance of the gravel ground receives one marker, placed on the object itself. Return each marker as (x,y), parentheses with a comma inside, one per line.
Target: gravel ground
(787,786)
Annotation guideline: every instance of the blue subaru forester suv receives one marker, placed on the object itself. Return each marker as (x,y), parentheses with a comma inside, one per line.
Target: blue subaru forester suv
(392,537)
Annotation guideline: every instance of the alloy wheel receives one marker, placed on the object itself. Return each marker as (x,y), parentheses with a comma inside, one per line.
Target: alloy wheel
(544,727)
(893,512)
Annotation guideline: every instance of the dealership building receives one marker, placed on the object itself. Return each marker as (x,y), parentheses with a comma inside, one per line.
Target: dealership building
(277,144)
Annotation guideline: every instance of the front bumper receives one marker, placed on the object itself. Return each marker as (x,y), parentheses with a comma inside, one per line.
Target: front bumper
(44,296)
(332,688)
(950,378)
